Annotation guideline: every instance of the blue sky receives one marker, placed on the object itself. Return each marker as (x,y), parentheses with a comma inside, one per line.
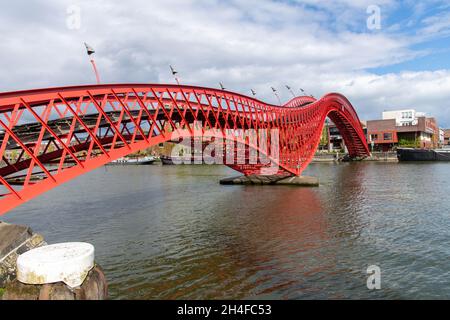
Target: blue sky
(319,45)
(413,19)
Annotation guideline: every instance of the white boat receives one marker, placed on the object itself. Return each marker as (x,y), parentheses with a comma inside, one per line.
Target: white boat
(133,161)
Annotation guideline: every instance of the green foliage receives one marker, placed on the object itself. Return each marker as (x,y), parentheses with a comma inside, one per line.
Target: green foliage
(2,292)
(409,143)
(324,137)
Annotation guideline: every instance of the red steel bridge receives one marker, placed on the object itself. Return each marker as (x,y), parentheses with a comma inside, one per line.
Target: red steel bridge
(50,136)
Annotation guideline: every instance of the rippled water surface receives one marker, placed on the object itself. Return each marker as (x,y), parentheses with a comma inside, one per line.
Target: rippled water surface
(173,232)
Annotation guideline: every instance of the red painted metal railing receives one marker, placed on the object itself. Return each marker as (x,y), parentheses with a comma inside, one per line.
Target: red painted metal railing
(50,136)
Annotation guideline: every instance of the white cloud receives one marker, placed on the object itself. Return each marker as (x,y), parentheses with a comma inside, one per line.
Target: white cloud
(245,44)
(437,25)
(427,91)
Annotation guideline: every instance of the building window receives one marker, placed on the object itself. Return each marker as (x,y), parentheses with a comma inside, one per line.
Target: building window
(374,137)
(407,115)
(334,131)
(387,136)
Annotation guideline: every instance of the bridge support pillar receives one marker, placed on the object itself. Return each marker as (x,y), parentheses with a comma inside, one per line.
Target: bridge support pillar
(300,181)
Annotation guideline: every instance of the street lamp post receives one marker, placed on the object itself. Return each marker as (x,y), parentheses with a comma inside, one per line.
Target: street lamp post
(290,90)
(90,52)
(276,94)
(174,73)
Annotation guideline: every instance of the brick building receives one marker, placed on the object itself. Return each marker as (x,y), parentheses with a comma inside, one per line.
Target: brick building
(446,137)
(403,128)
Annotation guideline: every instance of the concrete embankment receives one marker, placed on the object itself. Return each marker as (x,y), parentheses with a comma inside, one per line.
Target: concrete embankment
(304,181)
(376,156)
(382,158)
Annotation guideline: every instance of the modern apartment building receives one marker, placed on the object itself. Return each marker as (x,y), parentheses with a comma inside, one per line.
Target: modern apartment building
(404,128)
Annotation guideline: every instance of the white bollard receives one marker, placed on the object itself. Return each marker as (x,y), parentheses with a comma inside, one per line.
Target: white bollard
(64,262)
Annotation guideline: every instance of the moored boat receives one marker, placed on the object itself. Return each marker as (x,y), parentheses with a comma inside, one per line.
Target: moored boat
(410,154)
(133,161)
(166,160)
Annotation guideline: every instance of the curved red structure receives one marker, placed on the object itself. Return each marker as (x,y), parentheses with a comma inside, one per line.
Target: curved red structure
(50,136)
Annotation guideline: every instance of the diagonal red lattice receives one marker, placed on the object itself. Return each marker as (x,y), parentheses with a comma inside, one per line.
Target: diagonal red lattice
(50,136)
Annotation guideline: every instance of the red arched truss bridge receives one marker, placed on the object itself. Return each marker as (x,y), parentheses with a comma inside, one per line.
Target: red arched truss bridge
(50,136)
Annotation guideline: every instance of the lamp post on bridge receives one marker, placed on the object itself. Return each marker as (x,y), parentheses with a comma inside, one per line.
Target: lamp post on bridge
(305,94)
(174,73)
(276,94)
(90,51)
(290,90)
(253,92)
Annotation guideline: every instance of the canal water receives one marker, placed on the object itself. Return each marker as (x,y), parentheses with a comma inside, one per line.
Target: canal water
(174,233)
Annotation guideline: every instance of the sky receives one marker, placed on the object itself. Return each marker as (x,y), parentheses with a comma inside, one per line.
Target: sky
(382,55)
